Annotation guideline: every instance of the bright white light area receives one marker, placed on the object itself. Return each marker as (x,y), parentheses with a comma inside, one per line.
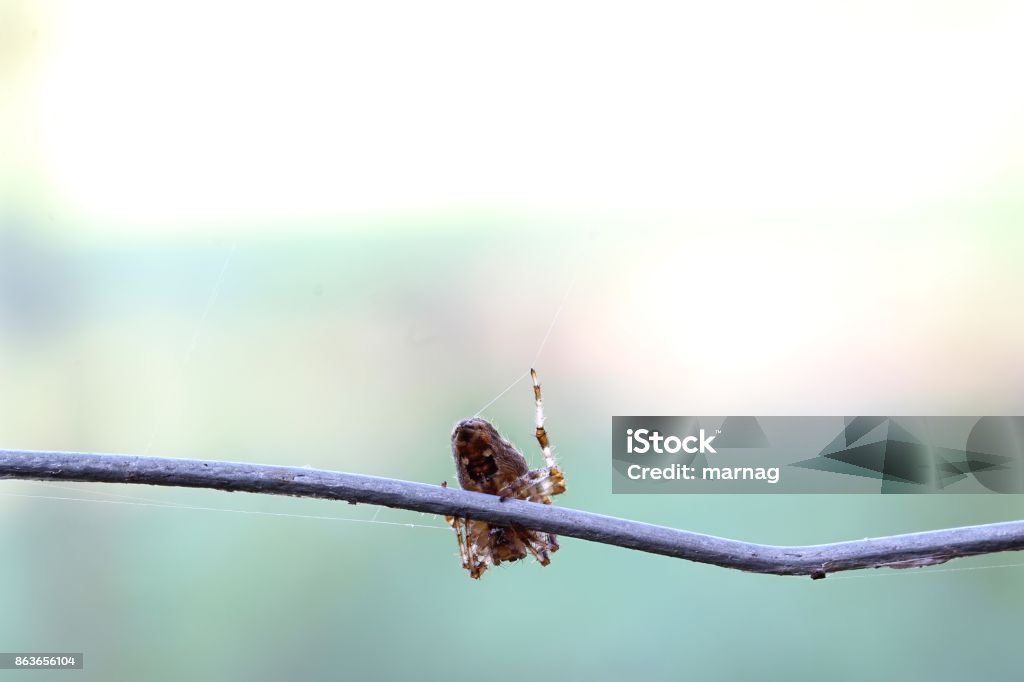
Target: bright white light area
(184,113)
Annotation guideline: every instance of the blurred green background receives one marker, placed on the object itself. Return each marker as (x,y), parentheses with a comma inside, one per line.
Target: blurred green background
(321,235)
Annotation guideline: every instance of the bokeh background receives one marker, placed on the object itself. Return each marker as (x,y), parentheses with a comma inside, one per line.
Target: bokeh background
(320,234)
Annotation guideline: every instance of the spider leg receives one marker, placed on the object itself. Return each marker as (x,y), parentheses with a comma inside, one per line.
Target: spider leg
(543,483)
(536,485)
(467,533)
(459,526)
(540,554)
(540,545)
(478,547)
(542,435)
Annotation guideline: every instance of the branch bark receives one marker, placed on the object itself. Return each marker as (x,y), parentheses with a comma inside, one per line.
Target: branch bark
(898,551)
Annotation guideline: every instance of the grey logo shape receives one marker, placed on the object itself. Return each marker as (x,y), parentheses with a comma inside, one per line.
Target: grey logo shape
(741,432)
(884,448)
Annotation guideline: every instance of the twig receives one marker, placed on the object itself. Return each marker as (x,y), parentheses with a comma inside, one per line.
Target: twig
(898,551)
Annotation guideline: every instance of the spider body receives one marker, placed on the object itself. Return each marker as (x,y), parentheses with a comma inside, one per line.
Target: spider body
(484,461)
(487,463)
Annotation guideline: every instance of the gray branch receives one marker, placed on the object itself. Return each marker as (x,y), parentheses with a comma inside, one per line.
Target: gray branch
(898,551)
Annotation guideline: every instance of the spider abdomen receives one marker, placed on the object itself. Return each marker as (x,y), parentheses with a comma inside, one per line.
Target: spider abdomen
(484,461)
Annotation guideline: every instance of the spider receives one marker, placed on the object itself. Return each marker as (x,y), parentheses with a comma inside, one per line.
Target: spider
(487,463)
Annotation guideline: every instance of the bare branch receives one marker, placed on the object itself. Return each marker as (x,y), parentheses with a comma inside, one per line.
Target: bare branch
(898,551)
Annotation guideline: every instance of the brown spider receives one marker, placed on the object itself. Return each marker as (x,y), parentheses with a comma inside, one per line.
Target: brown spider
(487,463)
